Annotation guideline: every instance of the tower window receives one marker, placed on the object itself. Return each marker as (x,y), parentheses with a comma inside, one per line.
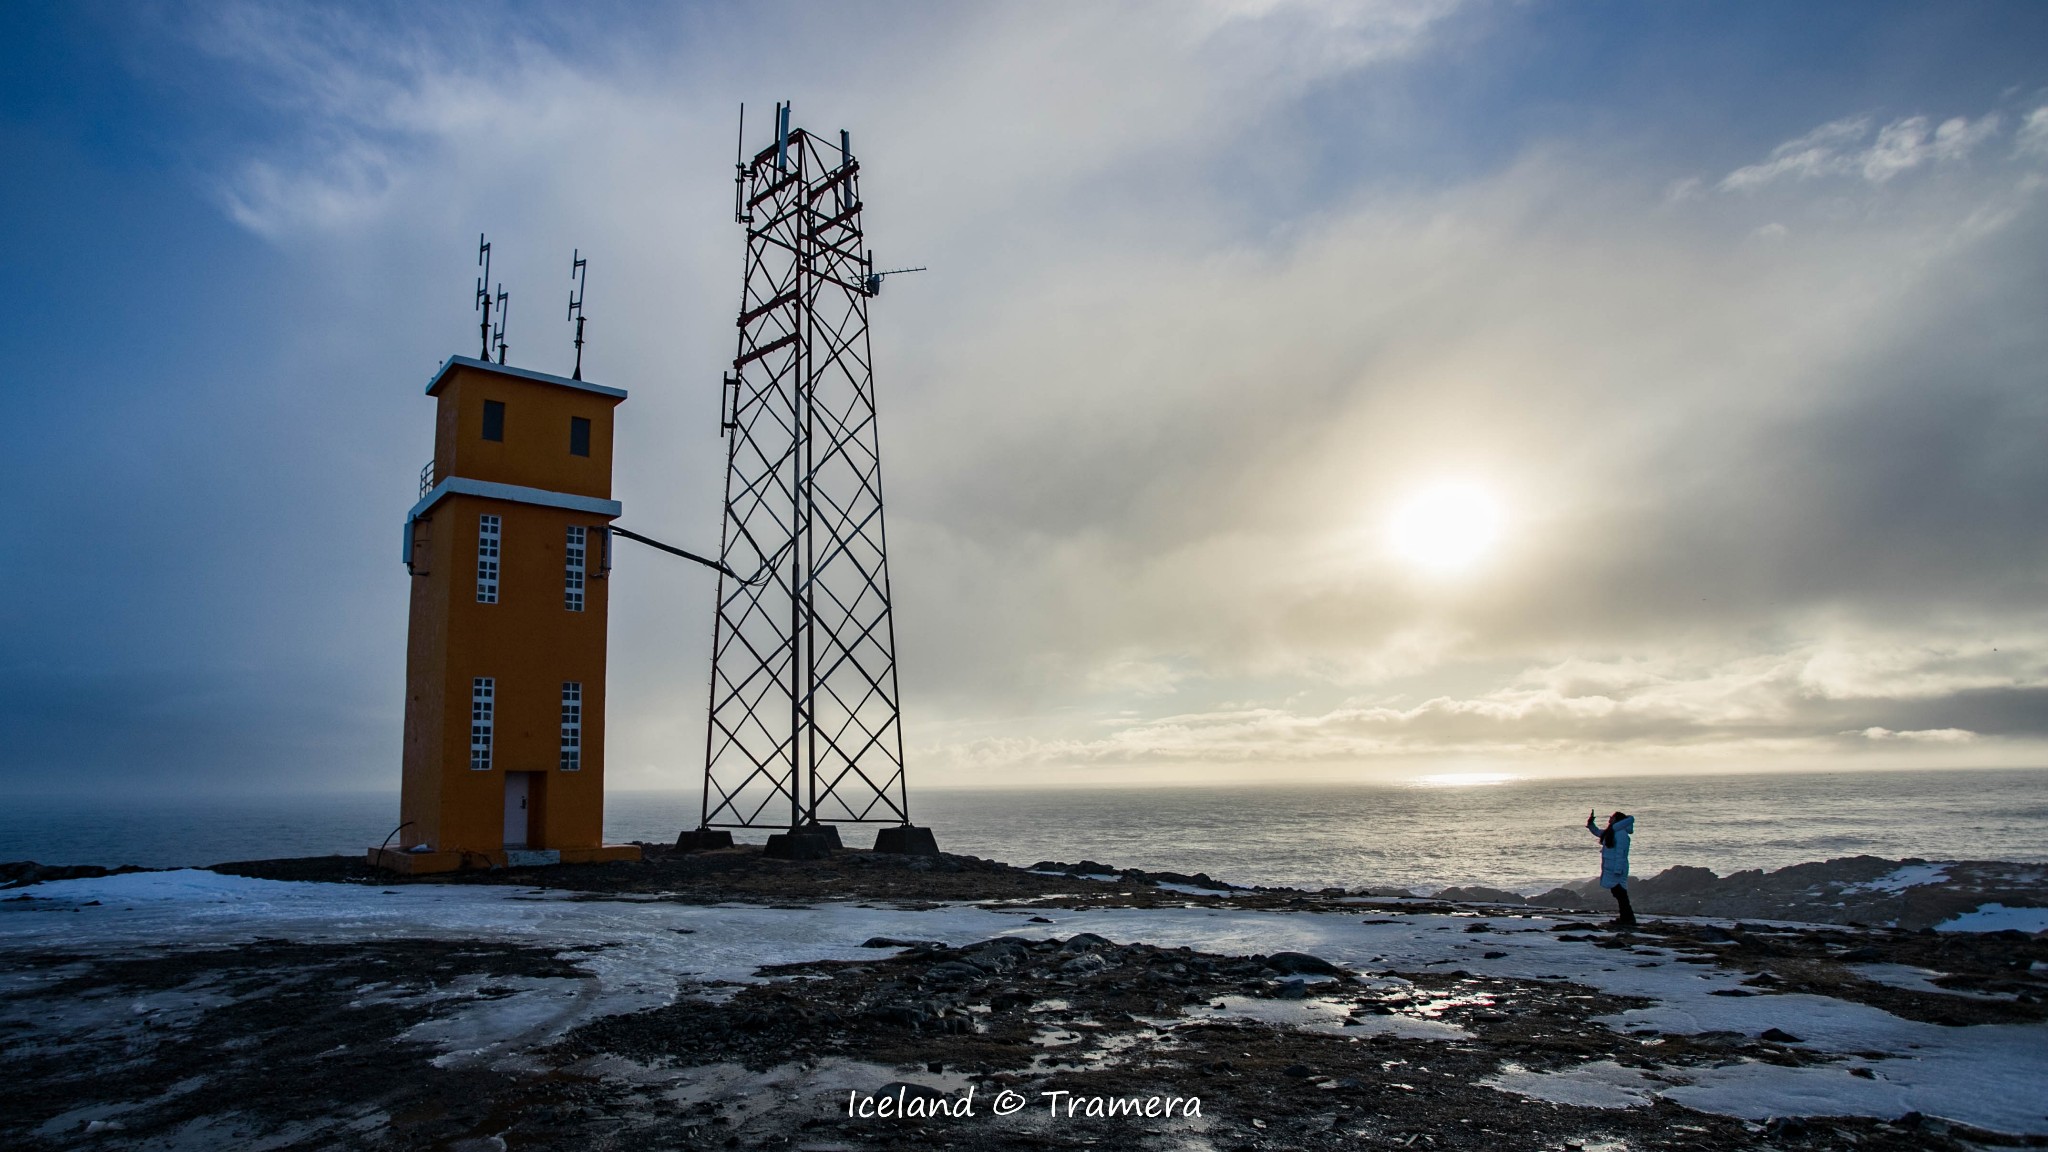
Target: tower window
(572,578)
(487,529)
(494,420)
(579,436)
(483,693)
(572,726)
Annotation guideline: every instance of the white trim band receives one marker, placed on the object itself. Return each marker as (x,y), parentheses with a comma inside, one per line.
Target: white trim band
(454,362)
(512,493)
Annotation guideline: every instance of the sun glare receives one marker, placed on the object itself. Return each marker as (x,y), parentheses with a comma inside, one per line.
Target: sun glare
(1445,530)
(1465,779)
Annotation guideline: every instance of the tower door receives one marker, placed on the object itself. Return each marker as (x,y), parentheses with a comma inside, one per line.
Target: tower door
(518,808)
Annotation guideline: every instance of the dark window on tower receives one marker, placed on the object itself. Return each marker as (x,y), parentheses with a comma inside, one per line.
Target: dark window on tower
(494,420)
(579,436)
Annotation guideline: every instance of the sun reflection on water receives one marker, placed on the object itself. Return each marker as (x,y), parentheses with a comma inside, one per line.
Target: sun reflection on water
(1464,779)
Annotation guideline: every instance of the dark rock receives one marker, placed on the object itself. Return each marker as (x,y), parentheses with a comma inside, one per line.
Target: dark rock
(1780,1127)
(1084,963)
(1674,882)
(893,942)
(1779,1036)
(1481,895)
(1297,1071)
(21,873)
(911,1091)
(1301,963)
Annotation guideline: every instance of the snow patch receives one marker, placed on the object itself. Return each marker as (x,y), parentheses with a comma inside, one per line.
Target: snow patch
(1906,876)
(1602,1084)
(1997,918)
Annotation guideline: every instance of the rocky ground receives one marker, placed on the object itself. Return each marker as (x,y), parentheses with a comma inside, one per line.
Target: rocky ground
(353,1037)
(1855,890)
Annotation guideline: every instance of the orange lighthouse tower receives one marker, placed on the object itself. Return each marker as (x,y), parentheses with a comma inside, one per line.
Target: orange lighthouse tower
(508,549)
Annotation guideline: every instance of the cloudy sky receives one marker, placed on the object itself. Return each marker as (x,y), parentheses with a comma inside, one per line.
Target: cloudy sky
(1298,390)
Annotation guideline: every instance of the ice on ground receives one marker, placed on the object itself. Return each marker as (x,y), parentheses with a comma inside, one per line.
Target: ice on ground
(1997,918)
(1601,1084)
(1918,980)
(1319,1015)
(1985,1075)
(1904,877)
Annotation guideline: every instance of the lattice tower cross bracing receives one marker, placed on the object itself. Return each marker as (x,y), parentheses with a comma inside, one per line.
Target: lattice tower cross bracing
(804,723)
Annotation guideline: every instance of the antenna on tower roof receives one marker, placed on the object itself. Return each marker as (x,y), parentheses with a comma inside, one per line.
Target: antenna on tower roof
(483,295)
(579,271)
(782,137)
(504,308)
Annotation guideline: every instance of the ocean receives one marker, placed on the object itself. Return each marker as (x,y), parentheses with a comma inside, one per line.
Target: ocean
(1525,835)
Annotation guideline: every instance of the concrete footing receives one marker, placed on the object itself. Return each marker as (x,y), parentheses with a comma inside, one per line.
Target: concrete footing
(829,831)
(703,839)
(907,840)
(799,845)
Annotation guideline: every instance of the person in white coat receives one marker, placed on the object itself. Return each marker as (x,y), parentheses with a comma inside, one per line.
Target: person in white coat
(1614,861)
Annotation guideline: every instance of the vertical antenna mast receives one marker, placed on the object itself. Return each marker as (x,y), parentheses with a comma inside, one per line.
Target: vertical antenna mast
(739,178)
(579,271)
(504,307)
(483,295)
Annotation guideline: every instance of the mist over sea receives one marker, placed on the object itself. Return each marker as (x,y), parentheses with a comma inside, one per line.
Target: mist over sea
(1519,834)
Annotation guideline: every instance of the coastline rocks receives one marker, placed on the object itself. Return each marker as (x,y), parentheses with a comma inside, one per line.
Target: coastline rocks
(1090,870)
(1302,964)
(1481,895)
(22,873)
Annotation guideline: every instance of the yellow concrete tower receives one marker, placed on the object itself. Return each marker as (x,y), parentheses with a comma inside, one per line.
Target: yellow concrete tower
(508,549)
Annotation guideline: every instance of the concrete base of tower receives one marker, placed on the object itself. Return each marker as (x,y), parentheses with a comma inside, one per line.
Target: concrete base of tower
(428,863)
(907,840)
(799,845)
(829,831)
(703,839)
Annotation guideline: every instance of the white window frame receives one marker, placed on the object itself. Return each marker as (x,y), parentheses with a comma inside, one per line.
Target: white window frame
(489,543)
(483,707)
(572,726)
(576,549)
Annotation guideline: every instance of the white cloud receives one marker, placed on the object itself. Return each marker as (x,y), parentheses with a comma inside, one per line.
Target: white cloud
(1140,435)
(2032,138)
(1924,735)
(1844,148)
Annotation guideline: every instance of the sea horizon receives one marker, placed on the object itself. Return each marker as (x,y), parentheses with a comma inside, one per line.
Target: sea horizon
(1522,834)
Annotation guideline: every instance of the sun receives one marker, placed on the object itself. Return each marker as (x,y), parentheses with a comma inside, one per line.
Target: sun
(1446,529)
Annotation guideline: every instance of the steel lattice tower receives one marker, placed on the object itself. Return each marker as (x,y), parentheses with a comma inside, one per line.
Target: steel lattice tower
(804,724)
